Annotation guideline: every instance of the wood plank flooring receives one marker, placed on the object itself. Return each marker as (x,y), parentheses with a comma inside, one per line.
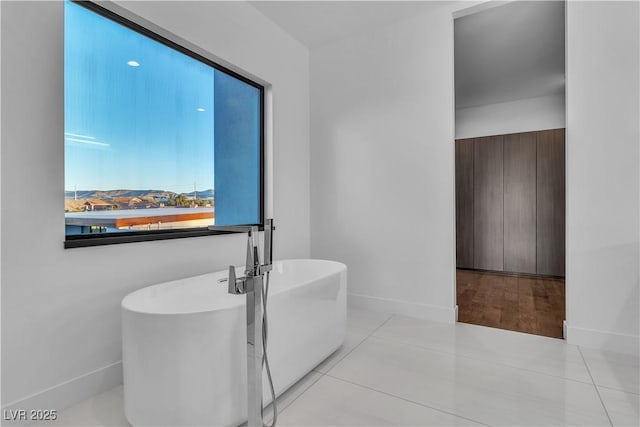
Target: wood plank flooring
(519,303)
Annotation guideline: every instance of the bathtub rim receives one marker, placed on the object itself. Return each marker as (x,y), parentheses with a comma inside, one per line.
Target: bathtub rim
(238,302)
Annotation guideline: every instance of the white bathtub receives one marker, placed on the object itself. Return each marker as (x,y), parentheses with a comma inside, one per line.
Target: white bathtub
(184,342)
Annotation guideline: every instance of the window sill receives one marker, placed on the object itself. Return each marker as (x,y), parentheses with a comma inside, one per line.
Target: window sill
(86,240)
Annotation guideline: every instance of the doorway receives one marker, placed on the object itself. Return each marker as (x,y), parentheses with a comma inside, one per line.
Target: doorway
(510,167)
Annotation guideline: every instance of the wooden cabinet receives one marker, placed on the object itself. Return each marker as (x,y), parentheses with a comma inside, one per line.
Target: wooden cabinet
(510,207)
(551,202)
(488,203)
(464,203)
(520,202)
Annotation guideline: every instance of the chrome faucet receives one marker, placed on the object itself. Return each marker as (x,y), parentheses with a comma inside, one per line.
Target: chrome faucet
(253,268)
(251,284)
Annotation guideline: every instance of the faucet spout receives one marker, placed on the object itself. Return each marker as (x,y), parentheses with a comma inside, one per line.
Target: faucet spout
(234,228)
(252,263)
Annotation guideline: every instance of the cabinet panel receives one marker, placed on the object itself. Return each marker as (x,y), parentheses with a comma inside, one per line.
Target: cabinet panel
(464,203)
(520,202)
(551,202)
(488,249)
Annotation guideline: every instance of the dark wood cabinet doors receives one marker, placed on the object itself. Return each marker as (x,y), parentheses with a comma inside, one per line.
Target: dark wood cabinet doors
(464,203)
(550,234)
(510,202)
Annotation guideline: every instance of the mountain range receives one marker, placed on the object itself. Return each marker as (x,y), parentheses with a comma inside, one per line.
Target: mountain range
(158,194)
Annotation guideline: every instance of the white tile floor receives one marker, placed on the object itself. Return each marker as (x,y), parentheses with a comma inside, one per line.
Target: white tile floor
(394,370)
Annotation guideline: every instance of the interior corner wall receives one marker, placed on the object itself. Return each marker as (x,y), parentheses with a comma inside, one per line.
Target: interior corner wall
(524,115)
(603,256)
(61,339)
(382,164)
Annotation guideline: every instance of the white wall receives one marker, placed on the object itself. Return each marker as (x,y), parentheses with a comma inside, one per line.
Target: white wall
(602,174)
(524,115)
(382,164)
(61,338)
(382,168)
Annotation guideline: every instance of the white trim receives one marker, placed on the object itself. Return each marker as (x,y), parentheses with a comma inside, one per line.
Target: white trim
(268,152)
(604,340)
(452,159)
(1,270)
(405,308)
(70,392)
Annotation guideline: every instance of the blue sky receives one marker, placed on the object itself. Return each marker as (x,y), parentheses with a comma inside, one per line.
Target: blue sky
(149,126)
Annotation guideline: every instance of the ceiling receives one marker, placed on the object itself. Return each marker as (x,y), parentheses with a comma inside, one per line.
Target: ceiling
(510,52)
(315,23)
(503,53)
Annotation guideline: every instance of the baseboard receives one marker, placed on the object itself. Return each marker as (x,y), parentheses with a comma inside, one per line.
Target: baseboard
(405,308)
(611,341)
(65,394)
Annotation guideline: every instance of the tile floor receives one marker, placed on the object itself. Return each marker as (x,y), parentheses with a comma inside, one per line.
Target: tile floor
(394,370)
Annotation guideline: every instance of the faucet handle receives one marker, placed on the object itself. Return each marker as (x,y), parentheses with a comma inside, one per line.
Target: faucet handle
(236,286)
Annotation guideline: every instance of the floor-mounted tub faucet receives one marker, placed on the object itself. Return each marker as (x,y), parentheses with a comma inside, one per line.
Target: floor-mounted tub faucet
(251,284)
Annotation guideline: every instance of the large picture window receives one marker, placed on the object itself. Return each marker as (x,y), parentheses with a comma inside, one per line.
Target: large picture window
(160,142)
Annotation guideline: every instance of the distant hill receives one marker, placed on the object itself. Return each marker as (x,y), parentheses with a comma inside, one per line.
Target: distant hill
(157,194)
(204,194)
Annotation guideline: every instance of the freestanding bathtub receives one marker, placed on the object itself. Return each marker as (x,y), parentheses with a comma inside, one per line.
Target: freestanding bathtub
(184,342)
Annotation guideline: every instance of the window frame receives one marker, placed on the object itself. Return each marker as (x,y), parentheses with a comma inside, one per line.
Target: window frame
(99,239)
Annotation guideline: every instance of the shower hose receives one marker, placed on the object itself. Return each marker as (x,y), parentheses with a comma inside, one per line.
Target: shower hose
(265,359)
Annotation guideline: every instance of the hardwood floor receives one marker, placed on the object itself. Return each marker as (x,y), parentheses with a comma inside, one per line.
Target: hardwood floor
(519,303)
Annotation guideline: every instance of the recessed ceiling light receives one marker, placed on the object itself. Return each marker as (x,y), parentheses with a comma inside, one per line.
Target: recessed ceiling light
(200,109)
(133,63)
